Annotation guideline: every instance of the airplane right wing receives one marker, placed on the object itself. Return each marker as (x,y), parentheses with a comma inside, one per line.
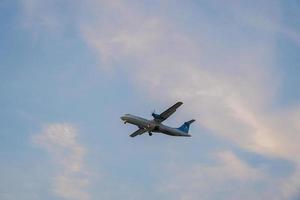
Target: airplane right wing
(138,132)
(164,115)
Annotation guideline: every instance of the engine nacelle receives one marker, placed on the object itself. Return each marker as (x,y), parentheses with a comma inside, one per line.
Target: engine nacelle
(156,116)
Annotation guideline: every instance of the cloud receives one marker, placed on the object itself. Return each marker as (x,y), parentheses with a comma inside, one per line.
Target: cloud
(61,142)
(221,66)
(227,88)
(229,178)
(223,72)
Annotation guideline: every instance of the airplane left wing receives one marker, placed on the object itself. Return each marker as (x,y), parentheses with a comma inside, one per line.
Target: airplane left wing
(164,115)
(138,132)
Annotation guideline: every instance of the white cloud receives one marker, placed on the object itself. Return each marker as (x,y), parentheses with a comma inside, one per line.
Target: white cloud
(61,141)
(222,68)
(227,85)
(229,178)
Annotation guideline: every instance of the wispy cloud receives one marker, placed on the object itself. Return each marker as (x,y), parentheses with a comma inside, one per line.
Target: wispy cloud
(222,67)
(229,178)
(228,85)
(61,142)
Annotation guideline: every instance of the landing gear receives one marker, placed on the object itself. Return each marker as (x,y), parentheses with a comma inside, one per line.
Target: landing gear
(125,122)
(150,134)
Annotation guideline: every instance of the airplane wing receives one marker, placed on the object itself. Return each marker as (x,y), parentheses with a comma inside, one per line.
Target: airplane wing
(138,132)
(164,115)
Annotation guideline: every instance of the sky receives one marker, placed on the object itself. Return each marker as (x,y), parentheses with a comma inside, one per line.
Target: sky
(70,69)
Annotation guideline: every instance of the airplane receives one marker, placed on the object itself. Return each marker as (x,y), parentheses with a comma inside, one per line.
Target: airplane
(156,126)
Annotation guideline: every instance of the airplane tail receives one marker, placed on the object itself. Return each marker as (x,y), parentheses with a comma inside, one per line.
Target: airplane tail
(186,126)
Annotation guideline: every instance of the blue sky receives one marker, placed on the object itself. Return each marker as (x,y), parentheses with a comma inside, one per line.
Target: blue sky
(70,69)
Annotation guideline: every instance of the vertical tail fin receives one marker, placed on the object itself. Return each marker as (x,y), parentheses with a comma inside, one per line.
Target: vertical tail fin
(186,126)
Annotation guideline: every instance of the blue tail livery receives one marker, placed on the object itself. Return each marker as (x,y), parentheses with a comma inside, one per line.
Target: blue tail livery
(186,126)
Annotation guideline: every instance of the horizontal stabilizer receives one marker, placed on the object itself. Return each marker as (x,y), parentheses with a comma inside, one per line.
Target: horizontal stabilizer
(191,121)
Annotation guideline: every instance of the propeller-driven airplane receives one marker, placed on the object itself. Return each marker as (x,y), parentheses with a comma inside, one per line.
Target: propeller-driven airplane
(156,125)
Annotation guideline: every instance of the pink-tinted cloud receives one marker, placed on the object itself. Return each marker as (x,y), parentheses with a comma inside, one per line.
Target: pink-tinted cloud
(222,68)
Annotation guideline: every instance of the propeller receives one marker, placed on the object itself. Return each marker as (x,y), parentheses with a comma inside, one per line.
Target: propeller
(153,111)
(154,115)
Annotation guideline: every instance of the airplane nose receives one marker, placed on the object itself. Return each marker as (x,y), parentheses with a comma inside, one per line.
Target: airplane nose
(122,118)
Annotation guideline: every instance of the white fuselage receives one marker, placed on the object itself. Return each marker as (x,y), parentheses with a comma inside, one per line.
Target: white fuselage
(152,125)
